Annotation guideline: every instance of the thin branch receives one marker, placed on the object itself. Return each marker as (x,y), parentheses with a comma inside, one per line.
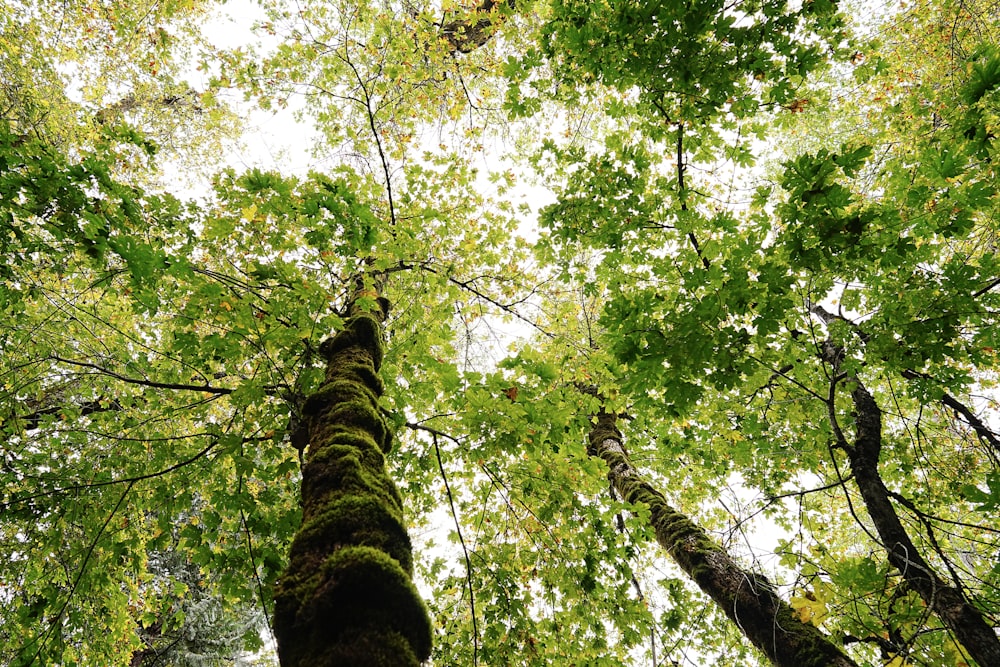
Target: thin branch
(831,409)
(496,481)
(433,431)
(907,503)
(253,560)
(467,285)
(468,561)
(783,372)
(144,383)
(82,314)
(770,384)
(933,517)
(681,194)
(270,389)
(623,529)
(806,492)
(847,497)
(989,286)
(125,480)
(832,354)
(986,434)
(378,141)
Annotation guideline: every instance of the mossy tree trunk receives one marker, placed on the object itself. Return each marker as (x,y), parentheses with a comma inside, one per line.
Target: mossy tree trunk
(745,597)
(347,597)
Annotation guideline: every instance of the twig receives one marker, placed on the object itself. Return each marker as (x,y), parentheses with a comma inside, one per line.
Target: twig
(468,561)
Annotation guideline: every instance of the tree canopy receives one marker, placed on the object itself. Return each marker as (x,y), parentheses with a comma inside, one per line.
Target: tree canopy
(614,333)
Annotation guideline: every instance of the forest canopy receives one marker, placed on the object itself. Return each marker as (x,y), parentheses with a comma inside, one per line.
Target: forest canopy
(595,333)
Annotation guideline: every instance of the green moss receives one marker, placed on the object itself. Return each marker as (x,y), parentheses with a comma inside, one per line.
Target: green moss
(361,369)
(349,442)
(347,597)
(378,590)
(358,597)
(360,441)
(359,416)
(326,476)
(363,520)
(363,331)
(372,649)
(746,597)
(348,405)
(340,389)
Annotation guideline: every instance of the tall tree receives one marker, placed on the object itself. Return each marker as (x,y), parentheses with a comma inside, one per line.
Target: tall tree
(747,598)
(346,597)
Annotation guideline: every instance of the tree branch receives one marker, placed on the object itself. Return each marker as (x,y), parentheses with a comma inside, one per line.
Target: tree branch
(110,482)
(33,419)
(746,597)
(963,619)
(42,639)
(378,141)
(985,434)
(806,492)
(144,383)
(681,194)
(465,551)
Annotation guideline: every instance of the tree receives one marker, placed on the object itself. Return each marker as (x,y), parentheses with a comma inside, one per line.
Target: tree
(832,234)
(250,400)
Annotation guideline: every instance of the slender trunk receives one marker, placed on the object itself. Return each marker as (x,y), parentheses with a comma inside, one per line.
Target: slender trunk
(347,597)
(958,615)
(748,599)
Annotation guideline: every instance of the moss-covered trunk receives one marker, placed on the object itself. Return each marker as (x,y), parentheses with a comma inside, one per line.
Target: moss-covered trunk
(746,598)
(347,598)
(948,602)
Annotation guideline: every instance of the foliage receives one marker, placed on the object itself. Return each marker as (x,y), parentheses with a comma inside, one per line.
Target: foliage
(73,69)
(763,219)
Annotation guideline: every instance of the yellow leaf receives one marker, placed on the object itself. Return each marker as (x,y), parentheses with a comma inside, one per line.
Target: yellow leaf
(803,613)
(810,607)
(249,212)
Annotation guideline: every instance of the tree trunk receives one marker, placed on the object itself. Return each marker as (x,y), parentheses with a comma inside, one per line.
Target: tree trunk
(747,598)
(465,36)
(347,597)
(958,615)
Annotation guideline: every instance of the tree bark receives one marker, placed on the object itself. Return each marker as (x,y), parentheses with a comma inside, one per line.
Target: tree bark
(748,599)
(949,604)
(347,597)
(465,36)
(985,434)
